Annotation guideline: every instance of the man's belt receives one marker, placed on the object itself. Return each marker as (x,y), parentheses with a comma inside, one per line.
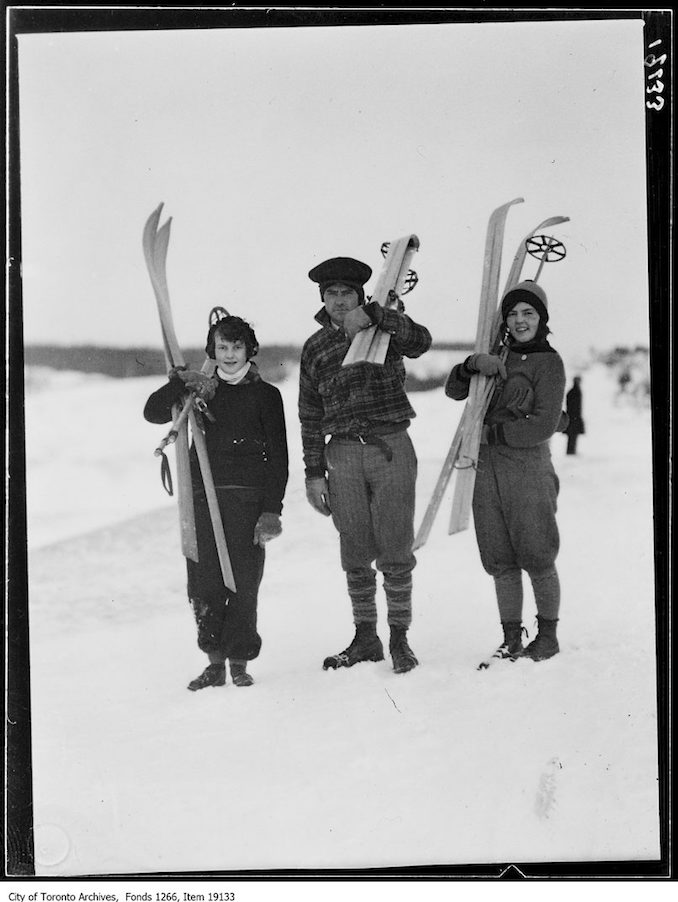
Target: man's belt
(373,436)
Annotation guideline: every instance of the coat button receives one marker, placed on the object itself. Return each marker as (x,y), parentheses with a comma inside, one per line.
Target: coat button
(524,357)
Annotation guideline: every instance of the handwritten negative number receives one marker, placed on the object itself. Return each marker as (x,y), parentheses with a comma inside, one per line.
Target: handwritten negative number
(658,86)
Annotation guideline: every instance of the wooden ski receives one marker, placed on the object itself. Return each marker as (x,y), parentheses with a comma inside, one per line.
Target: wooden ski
(469,422)
(477,396)
(371,345)
(208,368)
(155,244)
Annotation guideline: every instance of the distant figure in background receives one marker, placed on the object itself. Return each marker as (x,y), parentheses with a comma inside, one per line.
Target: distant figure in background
(575,427)
(364,477)
(623,381)
(247,448)
(516,489)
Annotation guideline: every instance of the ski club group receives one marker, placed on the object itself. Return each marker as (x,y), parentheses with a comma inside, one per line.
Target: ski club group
(361,467)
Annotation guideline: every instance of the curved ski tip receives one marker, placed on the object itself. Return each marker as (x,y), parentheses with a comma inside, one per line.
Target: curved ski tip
(498,211)
(557,220)
(153,219)
(165,227)
(551,221)
(414,242)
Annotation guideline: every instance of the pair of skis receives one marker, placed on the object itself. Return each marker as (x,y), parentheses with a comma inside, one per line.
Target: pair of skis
(208,368)
(155,244)
(463,453)
(396,278)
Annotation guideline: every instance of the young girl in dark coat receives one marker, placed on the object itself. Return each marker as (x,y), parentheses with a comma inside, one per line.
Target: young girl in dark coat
(516,489)
(247,448)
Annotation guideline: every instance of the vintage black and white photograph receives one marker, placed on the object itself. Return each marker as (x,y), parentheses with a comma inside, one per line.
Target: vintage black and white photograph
(336,396)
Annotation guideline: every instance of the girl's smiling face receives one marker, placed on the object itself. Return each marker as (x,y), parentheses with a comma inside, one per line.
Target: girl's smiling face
(230,356)
(523,322)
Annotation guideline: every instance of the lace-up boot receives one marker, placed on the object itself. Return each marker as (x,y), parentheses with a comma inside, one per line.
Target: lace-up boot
(546,644)
(366,646)
(239,674)
(212,675)
(512,646)
(401,654)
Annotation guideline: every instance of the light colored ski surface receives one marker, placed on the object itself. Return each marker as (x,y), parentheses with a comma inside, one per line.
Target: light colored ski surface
(469,419)
(155,244)
(371,345)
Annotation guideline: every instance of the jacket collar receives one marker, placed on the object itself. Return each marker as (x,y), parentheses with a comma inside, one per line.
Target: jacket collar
(537,345)
(252,375)
(323,317)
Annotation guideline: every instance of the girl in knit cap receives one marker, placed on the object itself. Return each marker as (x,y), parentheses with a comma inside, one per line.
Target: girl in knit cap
(247,448)
(516,489)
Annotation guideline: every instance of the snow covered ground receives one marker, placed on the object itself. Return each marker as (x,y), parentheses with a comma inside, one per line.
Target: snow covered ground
(355,769)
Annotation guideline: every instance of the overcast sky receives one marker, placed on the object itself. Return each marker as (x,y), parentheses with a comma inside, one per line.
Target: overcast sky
(273,149)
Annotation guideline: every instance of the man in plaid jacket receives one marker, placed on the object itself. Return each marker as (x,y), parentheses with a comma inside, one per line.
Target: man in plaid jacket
(364,476)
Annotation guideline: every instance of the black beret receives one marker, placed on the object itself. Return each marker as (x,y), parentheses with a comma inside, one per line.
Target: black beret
(341,269)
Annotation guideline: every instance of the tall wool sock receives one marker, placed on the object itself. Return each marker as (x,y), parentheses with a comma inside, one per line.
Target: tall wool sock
(362,589)
(546,586)
(509,589)
(398,591)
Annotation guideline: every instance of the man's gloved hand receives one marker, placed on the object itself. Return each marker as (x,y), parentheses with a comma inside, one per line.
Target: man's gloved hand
(317,494)
(486,365)
(195,381)
(355,321)
(268,527)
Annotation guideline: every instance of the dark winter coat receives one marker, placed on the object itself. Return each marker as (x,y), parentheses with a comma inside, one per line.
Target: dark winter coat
(516,490)
(573,406)
(355,399)
(246,443)
(526,408)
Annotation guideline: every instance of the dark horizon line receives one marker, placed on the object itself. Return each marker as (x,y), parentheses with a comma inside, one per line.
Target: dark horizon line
(437,345)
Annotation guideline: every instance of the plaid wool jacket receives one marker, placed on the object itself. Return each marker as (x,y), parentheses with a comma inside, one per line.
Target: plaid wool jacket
(335,400)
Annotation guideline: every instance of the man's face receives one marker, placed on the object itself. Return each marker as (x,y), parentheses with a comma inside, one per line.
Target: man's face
(338,300)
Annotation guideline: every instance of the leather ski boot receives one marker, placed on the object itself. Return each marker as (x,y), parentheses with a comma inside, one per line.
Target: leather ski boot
(239,673)
(512,646)
(401,654)
(366,646)
(545,645)
(212,675)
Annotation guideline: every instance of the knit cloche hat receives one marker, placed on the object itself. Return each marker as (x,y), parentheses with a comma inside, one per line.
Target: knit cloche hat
(530,293)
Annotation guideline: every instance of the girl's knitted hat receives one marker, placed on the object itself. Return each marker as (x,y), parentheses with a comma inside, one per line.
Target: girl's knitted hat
(530,293)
